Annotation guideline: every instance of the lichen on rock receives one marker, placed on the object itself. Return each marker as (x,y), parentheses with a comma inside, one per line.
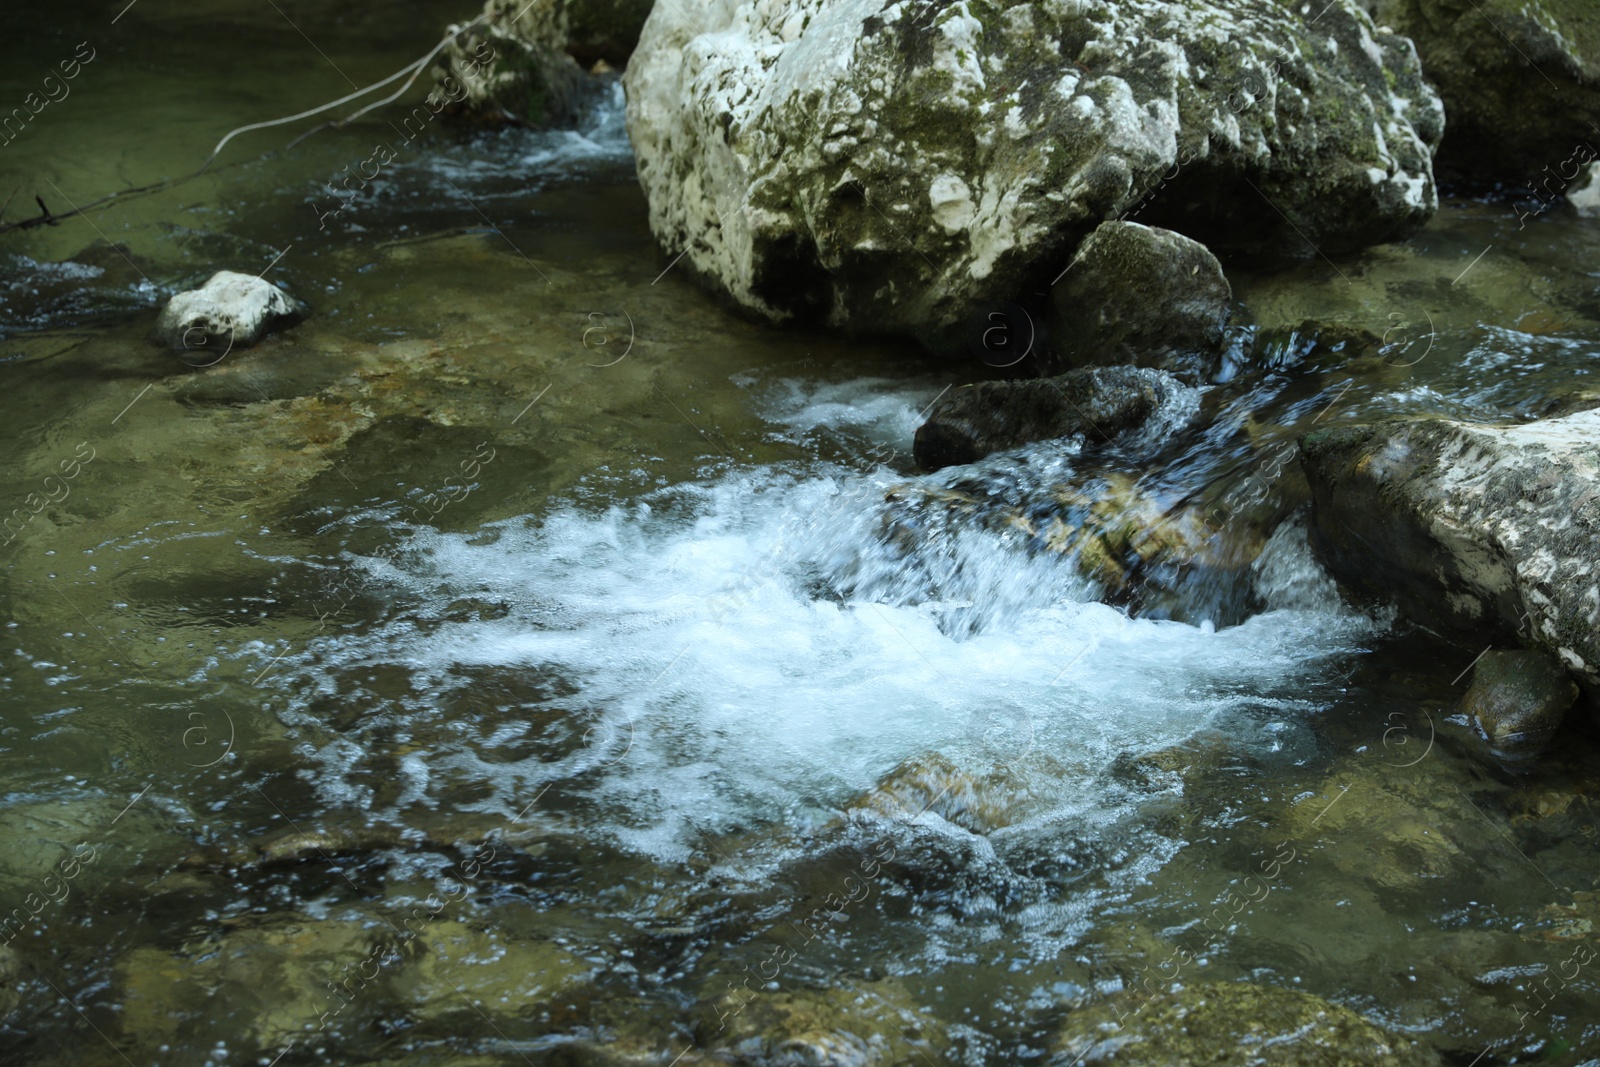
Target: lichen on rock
(1520,80)
(898,168)
(231,310)
(1481,533)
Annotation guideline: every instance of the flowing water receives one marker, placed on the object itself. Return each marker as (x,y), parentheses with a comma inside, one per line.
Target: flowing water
(522,631)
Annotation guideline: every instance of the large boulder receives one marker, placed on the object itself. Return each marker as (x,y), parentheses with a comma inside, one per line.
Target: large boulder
(1520,81)
(901,168)
(1484,533)
(1101,403)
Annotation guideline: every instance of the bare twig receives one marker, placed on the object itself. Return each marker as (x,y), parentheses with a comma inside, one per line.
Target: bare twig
(413,69)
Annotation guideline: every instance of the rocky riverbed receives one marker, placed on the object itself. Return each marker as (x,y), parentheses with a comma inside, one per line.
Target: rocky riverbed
(802,532)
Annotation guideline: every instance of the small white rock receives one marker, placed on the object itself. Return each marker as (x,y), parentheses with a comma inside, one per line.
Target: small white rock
(230,311)
(1587,198)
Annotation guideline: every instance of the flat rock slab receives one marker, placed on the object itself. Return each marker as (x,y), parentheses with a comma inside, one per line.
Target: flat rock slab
(1487,534)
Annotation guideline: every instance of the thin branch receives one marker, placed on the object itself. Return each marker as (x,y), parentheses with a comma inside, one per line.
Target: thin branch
(413,69)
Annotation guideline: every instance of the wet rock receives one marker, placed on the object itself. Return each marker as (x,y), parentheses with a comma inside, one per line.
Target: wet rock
(1141,295)
(507,69)
(852,1024)
(1483,533)
(1224,1024)
(230,311)
(603,32)
(1507,122)
(896,169)
(1159,557)
(1100,402)
(1518,699)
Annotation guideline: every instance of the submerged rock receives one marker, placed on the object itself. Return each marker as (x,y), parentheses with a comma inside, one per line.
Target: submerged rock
(902,169)
(229,311)
(1518,699)
(975,420)
(1508,122)
(466,972)
(852,1024)
(1142,295)
(1226,1024)
(932,783)
(279,978)
(1478,532)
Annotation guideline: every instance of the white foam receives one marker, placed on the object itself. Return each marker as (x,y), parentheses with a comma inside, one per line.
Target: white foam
(736,687)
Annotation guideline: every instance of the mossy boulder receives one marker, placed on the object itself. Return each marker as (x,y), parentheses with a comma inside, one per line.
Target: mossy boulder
(906,168)
(1479,533)
(1238,1024)
(1142,295)
(1518,700)
(1100,402)
(1520,81)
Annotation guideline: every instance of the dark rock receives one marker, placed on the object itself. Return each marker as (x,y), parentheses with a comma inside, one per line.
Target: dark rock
(1141,295)
(1158,557)
(1480,533)
(1101,402)
(505,70)
(1520,82)
(1518,699)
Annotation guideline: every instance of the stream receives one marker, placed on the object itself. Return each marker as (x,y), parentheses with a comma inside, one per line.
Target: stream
(526,580)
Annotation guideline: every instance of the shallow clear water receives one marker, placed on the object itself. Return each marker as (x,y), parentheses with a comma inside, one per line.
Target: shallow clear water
(283,666)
